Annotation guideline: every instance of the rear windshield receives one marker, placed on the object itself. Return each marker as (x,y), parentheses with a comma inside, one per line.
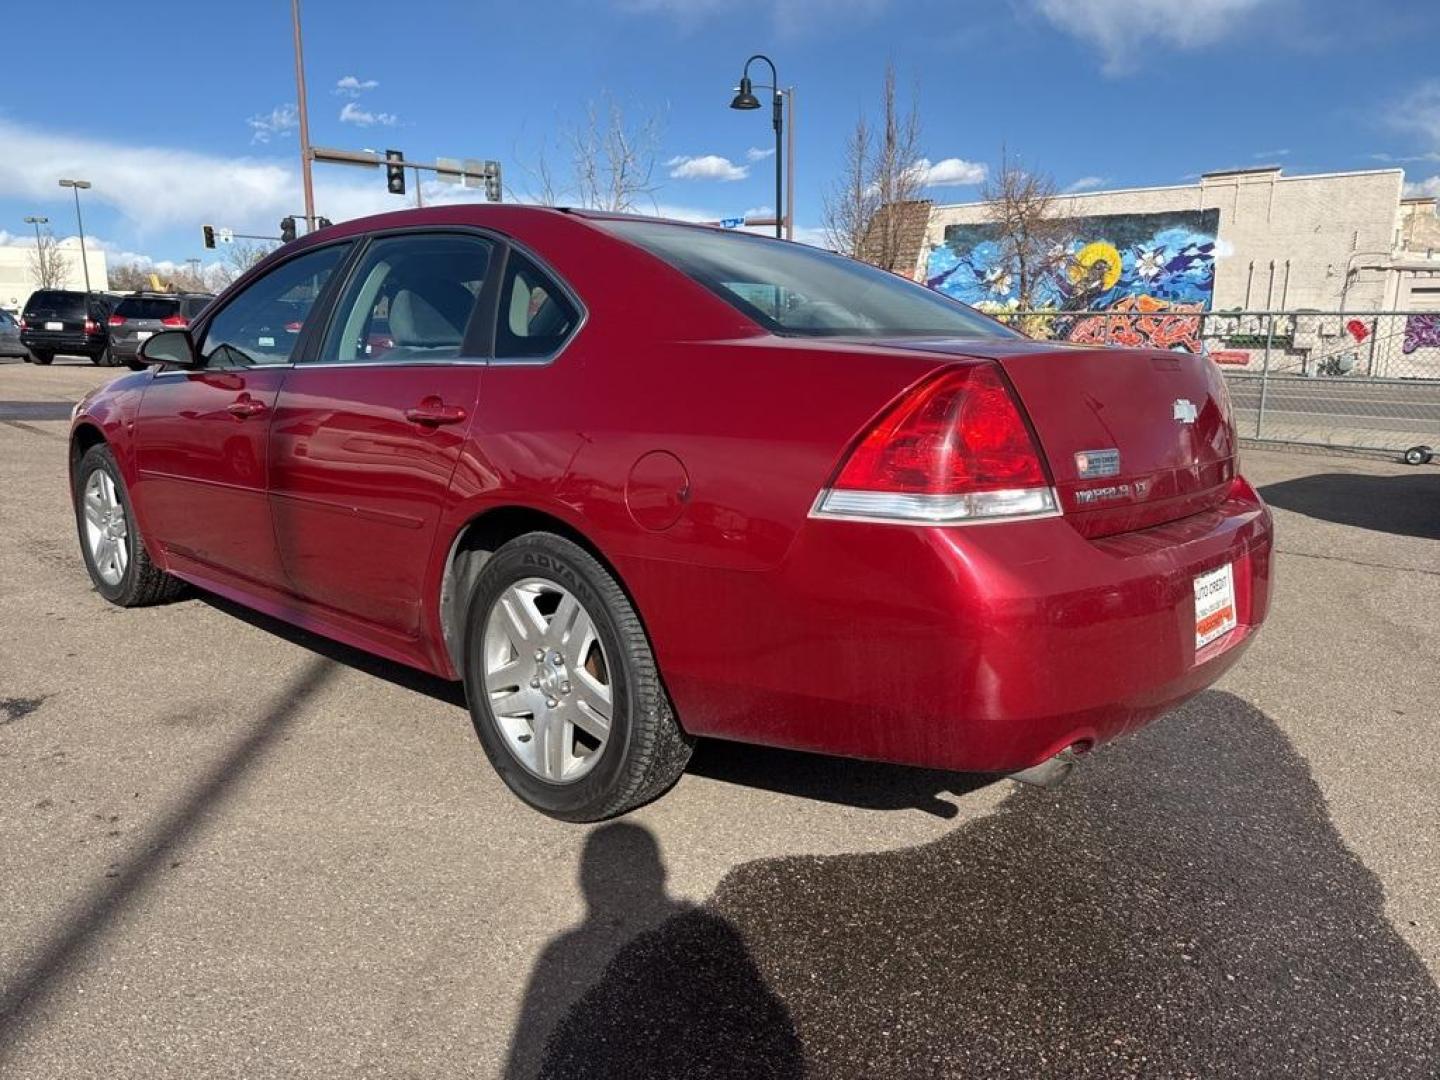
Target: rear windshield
(56,300)
(147,307)
(798,290)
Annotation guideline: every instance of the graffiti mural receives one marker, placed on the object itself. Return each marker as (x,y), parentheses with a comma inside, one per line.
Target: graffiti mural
(1421,331)
(1140,267)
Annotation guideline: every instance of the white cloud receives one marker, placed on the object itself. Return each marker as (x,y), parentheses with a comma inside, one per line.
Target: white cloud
(1086,183)
(757,154)
(1418,113)
(280,120)
(1270,155)
(158,187)
(948,172)
(351,113)
(1419,188)
(706,167)
(1121,27)
(353,86)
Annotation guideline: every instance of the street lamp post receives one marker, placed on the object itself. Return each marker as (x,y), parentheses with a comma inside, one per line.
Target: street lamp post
(76,185)
(37,222)
(745,99)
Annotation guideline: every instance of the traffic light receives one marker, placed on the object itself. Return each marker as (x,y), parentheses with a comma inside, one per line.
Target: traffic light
(492,181)
(209,231)
(287,230)
(394,172)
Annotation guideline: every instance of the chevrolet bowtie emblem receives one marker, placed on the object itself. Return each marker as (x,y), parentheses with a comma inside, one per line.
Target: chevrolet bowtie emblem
(1185,411)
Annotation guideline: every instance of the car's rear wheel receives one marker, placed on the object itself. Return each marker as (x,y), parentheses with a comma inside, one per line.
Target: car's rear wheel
(120,567)
(103,359)
(42,358)
(562,684)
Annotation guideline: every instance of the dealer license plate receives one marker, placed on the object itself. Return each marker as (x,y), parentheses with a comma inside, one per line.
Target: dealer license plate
(1214,605)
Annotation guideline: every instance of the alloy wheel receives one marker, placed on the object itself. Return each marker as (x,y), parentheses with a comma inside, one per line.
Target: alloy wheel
(106,530)
(548,680)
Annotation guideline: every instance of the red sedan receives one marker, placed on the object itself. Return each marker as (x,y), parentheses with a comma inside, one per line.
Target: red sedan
(637,481)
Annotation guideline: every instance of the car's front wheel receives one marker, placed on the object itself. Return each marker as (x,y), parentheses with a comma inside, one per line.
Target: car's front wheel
(120,567)
(562,684)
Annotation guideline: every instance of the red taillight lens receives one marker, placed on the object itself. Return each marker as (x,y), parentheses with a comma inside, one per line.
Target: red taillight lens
(116,320)
(955,448)
(22,324)
(175,320)
(91,326)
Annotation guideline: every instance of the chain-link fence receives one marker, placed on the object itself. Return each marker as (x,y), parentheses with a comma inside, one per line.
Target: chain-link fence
(1362,379)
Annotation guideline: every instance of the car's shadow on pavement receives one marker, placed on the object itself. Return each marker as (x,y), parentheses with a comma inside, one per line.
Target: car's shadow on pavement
(864,784)
(1182,907)
(452,693)
(1405,505)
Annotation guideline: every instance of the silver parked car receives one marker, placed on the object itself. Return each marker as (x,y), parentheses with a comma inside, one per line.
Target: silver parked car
(10,344)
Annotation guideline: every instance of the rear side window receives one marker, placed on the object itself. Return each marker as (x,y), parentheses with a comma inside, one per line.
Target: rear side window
(410,299)
(798,290)
(535,316)
(261,325)
(147,307)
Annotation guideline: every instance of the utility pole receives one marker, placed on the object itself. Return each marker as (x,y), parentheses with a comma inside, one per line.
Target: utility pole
(304,119)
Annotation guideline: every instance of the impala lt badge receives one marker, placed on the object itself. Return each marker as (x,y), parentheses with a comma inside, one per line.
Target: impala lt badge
(1185,411)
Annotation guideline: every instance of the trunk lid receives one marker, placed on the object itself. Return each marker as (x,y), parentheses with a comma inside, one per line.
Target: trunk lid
(1134,437)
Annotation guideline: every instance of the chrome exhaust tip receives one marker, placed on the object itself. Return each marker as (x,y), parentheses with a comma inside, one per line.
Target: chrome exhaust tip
(1052,771)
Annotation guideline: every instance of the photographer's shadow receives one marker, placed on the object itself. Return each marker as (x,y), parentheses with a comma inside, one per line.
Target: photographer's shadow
(647,985)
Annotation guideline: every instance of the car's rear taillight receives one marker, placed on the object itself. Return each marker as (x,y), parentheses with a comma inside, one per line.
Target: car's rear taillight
(178,321)
(22,324)
(954,449)
(116,320)
(91,326)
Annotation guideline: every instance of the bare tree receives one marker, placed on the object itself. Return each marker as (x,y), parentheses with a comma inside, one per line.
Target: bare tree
(613,158)
(128,277)
(49,266)
(1021,204)
(867,212)
(850,205)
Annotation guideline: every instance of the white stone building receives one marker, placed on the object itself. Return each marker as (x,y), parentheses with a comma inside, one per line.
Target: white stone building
(17,279)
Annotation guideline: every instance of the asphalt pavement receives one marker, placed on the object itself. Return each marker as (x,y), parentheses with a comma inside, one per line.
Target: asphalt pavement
(1342,411)
(230,849)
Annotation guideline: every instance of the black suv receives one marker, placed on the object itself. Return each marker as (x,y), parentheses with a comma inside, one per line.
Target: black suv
(57,321)
(143,314)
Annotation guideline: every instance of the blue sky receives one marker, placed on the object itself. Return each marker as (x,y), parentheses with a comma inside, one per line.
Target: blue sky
(181,117)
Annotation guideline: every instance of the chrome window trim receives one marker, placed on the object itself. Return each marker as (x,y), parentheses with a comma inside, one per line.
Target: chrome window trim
(569,293)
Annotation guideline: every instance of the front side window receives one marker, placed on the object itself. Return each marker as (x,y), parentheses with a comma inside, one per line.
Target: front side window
(262,324)
(410,299)
(798,290)
(535,315)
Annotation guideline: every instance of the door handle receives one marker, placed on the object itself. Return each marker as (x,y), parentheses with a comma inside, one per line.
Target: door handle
(245,407)
(432,413)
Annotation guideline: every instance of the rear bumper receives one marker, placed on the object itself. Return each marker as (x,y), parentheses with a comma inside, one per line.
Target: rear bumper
(986,648)
(71,344)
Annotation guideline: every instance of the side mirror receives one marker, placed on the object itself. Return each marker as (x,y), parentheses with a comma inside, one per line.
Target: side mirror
(170,348)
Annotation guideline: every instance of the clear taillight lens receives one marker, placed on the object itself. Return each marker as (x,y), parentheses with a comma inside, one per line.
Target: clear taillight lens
(955,449)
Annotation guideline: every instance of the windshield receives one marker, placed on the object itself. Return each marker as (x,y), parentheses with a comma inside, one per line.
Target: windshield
(799,290)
